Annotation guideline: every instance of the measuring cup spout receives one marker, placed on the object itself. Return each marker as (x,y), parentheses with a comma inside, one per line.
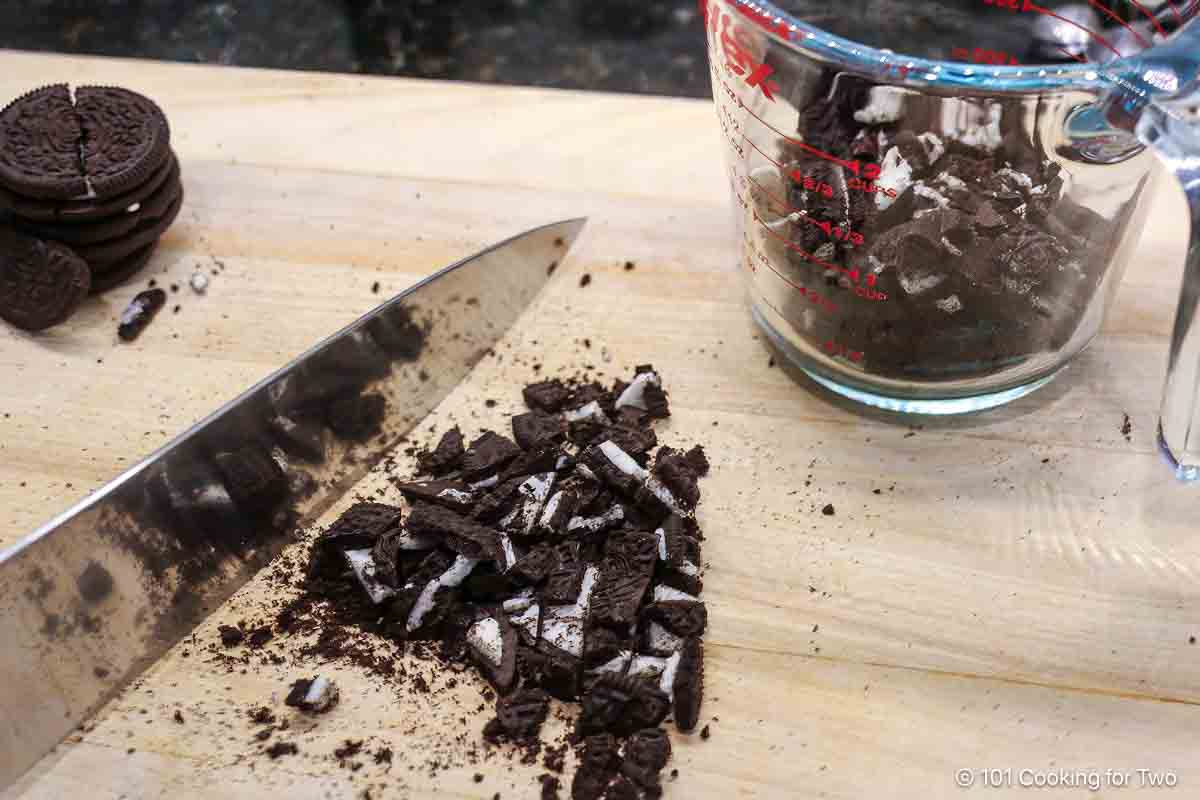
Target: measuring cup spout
(1166,116)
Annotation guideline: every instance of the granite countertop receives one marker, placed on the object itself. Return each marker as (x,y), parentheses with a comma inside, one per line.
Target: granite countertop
(617,45)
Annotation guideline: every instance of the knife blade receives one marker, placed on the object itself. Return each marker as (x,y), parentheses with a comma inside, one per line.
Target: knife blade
(96,595)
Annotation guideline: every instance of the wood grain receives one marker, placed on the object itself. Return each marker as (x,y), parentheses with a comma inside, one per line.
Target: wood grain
(1020,593)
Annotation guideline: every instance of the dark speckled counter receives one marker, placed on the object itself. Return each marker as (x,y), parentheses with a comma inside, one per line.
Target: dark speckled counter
(618,45)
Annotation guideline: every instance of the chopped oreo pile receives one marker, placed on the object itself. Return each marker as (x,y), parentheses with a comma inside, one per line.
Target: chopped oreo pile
(562,558)
(954,249)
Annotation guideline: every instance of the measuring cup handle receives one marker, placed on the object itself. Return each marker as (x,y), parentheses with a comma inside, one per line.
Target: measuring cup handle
(1169,122)
(1167,128)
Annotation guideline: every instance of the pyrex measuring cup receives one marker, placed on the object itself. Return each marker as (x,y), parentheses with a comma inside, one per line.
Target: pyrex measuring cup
(942,230)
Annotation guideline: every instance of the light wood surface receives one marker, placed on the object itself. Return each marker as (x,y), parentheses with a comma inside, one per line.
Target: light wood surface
(1022,598)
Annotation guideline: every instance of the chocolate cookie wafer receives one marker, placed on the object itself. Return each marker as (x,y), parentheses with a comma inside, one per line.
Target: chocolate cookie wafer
(41,283)
(121,271)
(39,145)
(107,254)
(149,209)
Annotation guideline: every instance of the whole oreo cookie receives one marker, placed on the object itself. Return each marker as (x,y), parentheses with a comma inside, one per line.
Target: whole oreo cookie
(41,283)
(148,210)
(39,145)
(125,137)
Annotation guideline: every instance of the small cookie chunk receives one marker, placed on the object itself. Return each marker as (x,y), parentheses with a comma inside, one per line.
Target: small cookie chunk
(139,313)
(39,145)
(125,137)
(41,283)
(629,559)
(489,452)
(680,617)
(519,716)
(460,534)
(688,686)
(446,456)
(550,395)
(360,525)
(621,705)
(535,428)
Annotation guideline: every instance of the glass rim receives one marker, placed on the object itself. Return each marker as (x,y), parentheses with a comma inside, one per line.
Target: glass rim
(793,32)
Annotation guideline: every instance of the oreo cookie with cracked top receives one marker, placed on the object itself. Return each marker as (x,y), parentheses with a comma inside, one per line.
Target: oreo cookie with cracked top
(148,209)
(86,209)
(41,283)
(125,137)
(39,145)
(109,253)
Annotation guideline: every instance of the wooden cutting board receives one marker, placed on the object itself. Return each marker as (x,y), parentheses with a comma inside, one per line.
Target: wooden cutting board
(1014,590)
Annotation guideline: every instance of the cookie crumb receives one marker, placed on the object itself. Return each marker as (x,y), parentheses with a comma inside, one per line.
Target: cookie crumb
(828,510)
(585,280)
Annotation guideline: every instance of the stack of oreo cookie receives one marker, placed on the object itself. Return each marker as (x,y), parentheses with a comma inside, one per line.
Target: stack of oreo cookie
(91,170)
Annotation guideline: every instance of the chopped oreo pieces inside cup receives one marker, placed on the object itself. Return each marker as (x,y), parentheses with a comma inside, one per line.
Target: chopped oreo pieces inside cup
(565,564)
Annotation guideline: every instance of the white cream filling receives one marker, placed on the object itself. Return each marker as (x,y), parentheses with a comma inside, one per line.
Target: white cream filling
(626,464)
(662,640)
(485,639)
(593,524)
(663,593)
(362,562)
(562,626)
(457,495)
(486,483)
(590,411)
(894,173)
(454,576)
(515,605)
(635,393)
(618,664)
(667,684)
(322,693)
(647,666)
(528,620)
(662,544)
(884,104)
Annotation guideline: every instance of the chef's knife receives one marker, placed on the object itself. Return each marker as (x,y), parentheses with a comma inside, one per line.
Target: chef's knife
(95,596)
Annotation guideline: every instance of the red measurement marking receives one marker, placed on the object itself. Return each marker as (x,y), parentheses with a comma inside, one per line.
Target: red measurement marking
(738,48)
(758,79)
(834,349)
(804,291)
(982,56)
(867,293)
(900,68)
(832,231)
(870,171)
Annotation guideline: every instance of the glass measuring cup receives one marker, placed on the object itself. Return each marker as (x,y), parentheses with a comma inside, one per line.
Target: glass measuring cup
(941,231)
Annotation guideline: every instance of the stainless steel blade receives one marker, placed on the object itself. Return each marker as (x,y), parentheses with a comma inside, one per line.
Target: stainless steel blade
(95,596)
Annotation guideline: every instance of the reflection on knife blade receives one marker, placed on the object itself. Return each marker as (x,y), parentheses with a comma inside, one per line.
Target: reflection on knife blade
(96,595)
